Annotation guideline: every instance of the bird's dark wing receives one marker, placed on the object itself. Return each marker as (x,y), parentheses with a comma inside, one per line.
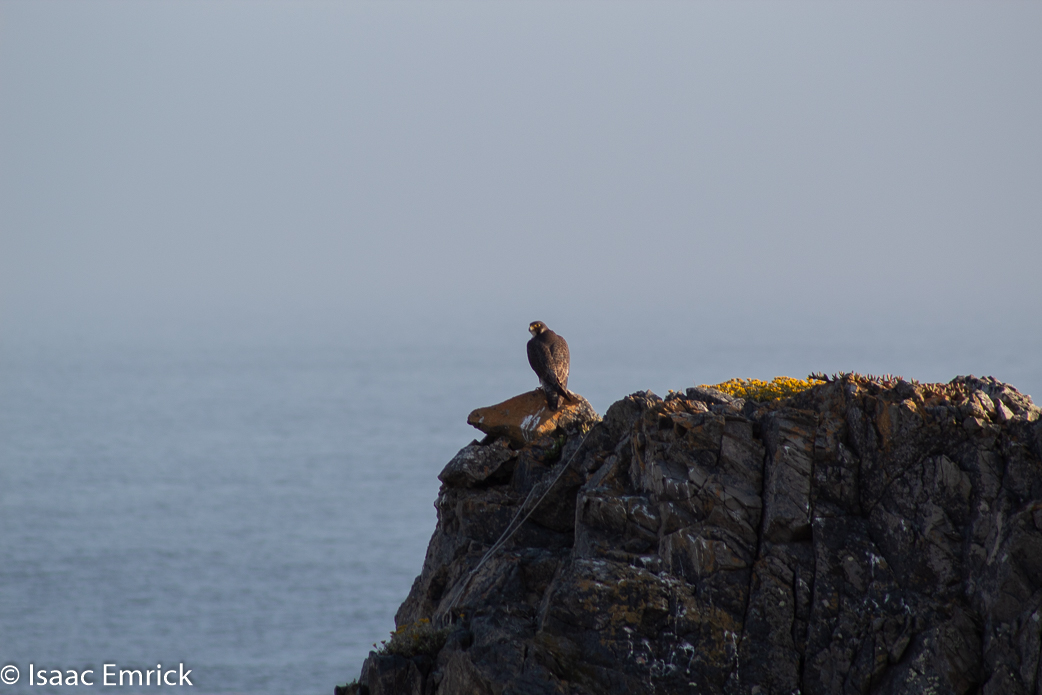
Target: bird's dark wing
(548,355)
(539,358)
(544,360)
(559,361)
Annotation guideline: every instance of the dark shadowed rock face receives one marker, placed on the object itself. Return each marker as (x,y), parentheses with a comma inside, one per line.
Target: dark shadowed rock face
(863,537)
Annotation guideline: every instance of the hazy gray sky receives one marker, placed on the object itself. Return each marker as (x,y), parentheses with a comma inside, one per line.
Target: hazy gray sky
(178,166)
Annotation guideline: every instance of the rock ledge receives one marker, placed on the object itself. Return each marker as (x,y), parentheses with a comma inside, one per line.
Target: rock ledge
(526,418)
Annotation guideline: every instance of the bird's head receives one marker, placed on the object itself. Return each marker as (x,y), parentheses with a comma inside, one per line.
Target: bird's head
(536,327)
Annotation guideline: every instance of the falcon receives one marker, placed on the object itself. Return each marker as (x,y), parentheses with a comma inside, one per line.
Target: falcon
(548,355)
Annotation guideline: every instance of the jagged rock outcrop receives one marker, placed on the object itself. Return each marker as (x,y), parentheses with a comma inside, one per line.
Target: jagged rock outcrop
(866,536)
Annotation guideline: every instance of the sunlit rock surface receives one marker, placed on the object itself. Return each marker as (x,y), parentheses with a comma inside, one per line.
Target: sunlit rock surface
(527,417)
(866,536)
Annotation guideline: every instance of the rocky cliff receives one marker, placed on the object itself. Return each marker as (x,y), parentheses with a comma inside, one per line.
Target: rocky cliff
(864,536)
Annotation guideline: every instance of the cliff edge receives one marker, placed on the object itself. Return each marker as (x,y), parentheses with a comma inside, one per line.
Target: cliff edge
(867,535)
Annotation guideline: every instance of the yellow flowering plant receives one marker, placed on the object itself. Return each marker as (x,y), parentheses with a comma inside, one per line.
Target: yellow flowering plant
(757,390)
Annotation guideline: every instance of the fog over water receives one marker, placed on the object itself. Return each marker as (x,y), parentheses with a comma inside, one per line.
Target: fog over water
(258,262)
(808,169)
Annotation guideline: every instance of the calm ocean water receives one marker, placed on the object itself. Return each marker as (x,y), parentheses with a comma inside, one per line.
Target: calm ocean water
(258,514)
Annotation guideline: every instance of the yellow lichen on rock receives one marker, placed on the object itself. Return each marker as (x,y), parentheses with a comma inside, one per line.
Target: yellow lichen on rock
(754,389)
(410,639)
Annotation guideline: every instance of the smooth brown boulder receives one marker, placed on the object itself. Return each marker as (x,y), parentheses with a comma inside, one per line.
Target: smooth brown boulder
(527,417)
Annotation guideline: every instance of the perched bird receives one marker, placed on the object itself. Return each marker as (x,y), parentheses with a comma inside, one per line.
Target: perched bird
(548,355)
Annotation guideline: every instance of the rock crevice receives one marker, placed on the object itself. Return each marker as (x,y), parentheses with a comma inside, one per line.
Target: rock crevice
(865,536)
